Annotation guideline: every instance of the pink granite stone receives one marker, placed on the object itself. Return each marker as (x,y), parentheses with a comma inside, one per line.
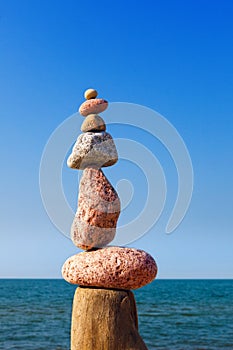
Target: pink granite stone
(98,210)
(110,267)
(93,106)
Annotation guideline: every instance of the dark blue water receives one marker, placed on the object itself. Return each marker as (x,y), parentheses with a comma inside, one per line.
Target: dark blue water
(173,314)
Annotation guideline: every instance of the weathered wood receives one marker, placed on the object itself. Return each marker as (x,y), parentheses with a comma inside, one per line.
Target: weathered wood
(104,319)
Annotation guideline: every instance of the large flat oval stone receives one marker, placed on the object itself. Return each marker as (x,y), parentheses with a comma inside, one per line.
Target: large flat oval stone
(98,210)
(110,267)
(96,149)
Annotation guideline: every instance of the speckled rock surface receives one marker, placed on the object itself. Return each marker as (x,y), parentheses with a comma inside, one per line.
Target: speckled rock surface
(96,149)
(93,106)
(110,267)
(93,122)
(86,237)
(95,222)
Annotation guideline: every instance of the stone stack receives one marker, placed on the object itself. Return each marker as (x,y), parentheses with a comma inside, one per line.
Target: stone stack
(95,221)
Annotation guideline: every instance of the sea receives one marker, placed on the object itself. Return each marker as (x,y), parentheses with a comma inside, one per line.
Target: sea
(173,314)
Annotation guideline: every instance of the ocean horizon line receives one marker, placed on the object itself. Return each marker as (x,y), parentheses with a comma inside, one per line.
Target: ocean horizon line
(157,279)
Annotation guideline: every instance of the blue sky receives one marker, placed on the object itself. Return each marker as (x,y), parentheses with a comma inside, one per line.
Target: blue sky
(172,56)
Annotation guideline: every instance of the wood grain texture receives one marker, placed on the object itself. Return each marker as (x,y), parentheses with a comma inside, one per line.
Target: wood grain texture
(105,319)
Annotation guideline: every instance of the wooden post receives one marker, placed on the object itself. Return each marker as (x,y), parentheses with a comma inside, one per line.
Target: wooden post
(105,319)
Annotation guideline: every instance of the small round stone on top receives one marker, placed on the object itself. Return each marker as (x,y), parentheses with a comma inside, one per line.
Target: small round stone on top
(90,93)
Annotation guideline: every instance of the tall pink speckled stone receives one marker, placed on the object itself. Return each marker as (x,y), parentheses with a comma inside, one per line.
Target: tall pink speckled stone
(98,210)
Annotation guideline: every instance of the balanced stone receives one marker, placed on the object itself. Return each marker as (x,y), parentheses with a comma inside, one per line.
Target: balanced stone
(94,149)
(90,93)
(111,267)
(98,210)
(93,106)
(93,122)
